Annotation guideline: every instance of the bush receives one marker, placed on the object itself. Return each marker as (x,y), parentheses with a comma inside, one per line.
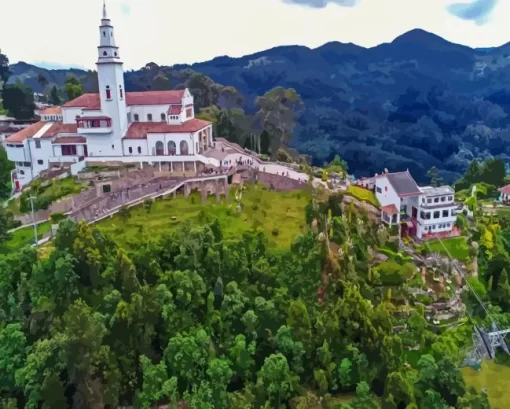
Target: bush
(390,273)
(57,217)
(124,212)
(424,299)
(275,232)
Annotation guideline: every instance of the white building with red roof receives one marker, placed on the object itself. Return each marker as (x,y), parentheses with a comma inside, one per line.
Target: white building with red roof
(113,125)
(422,212)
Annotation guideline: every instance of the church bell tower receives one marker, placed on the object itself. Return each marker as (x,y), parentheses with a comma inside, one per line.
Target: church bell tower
(110,75)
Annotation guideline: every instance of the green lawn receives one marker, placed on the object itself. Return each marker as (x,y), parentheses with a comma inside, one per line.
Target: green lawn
(494,378)
(280,215)
(362,194)
(457,247)
(24,237)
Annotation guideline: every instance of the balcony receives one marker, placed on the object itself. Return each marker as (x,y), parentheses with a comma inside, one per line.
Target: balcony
(94,125)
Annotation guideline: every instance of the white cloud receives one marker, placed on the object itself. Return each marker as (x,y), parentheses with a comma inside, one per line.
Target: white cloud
(168,32)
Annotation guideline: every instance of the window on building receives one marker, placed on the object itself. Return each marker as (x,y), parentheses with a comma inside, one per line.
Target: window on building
(437,215)
(113,146)
(379,190)
(105,53)
(21,172)
(139,149)
(189,113)
(385,188)
(149,117)
(26,164)
(436,200)
(130,149)
(163,117)
(68,150)
(443,198)
(448,225)
(19,163)
(40,162)
(115,53)
(121,91)
(453,212)
(104,33)
(129,117)
(108,92)
(445,213)
(37,144)
(137,118)
(450,198)
(429,200)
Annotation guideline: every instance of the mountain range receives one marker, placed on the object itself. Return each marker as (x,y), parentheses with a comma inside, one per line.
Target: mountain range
(417,102)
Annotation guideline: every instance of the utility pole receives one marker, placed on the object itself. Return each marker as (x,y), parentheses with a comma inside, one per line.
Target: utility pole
(33,219)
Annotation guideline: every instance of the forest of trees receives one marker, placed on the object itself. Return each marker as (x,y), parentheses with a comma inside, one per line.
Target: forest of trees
(195,320)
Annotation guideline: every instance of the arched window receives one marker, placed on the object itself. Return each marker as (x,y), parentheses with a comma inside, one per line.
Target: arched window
(105,53)
(137,118)
(160,150)
(130,149)
(172,148)
(163,117)
(121,92)
(104,33)
(108,92)
(139,149)
(184,147)
(115,53)
(149,117)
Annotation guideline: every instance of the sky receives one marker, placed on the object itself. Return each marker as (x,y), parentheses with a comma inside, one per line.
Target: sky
(62,33)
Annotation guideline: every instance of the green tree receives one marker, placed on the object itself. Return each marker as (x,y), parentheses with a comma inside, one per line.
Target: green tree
(5,73)
(54,97)
(5,173)
(18,99)
(277,113)
(161,83)
(73,88)
(275,379)
(6,220)
(494,172)
(435,179)
(42,80)
(299,322)
(13,350)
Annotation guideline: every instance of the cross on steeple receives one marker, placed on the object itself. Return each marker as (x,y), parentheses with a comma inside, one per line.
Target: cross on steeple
(105,16)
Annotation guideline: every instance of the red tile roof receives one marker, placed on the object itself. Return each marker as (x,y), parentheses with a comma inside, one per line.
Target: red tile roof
(89,101)
(505,189)
(71,139)
(25,133)
(389,209)
(175,110)
(139,130)
(51,111)
(58,128)
(92,101)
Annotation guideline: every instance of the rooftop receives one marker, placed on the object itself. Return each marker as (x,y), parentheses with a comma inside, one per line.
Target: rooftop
(92,101)
(505,190)
(139,130)
(403,183)
(43,130)
(51,111)
(437,191)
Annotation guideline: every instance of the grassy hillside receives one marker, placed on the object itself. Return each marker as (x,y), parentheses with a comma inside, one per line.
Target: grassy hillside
(280,215)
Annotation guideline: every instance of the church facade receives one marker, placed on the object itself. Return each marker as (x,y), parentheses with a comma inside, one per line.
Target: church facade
(113,126)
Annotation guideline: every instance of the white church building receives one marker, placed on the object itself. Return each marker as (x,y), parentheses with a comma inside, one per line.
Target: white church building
(156,127)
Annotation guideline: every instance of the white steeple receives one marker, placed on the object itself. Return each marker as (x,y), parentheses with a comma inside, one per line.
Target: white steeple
(110,76)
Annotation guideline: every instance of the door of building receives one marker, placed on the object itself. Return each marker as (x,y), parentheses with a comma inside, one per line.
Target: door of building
(85,151)
(414,213)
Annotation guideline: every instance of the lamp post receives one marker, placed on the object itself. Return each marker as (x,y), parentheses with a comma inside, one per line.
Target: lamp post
(33,219)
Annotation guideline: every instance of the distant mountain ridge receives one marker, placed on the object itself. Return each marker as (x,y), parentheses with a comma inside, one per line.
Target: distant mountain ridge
(416,102)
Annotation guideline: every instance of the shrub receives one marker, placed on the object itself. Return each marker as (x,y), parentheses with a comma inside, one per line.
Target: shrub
(57,217)
(390,273)
(124,212)
(275,231)
(424,299)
